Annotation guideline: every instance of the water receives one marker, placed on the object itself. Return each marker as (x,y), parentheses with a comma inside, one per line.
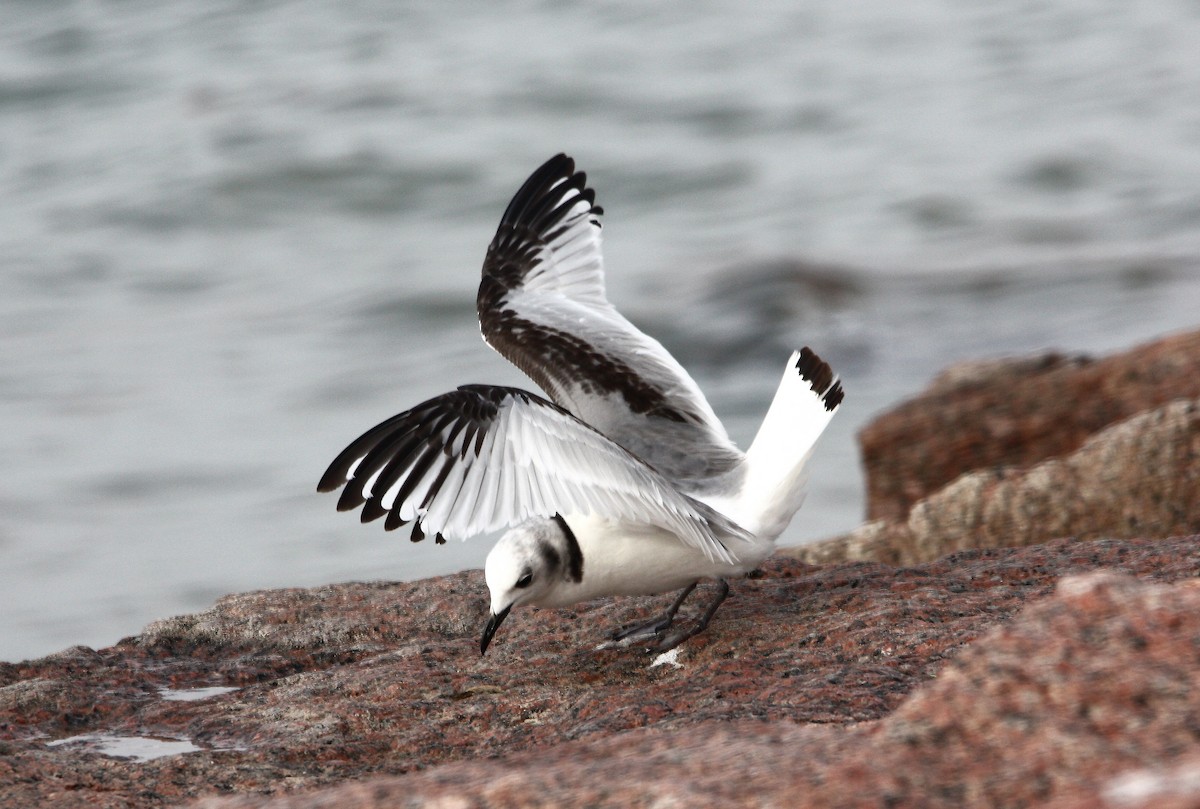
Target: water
(233,236)
(136,748)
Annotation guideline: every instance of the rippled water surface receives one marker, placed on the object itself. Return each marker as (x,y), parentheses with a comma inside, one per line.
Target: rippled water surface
(233,236)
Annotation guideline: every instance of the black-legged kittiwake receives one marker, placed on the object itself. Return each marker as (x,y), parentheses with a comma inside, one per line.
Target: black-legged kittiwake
(623,482)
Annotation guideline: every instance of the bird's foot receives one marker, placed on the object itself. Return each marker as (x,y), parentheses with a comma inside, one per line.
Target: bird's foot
(647,630)
(656,627)
(657,632)
(631,635)
(672,639)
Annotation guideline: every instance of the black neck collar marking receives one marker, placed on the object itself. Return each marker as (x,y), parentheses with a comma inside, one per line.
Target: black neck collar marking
(574,553)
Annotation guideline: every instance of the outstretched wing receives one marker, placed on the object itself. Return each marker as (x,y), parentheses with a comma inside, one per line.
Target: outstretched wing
(542,306)
(485,457)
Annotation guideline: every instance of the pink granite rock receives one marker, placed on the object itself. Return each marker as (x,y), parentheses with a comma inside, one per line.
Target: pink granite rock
(1096,680)
(355,682)
(1016,412)
(1139,477)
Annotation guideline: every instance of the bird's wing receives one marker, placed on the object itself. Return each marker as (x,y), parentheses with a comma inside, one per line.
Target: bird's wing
(542,305)
(484,457)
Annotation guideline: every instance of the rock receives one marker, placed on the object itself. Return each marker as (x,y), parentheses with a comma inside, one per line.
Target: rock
(1016,412)
(1094,680)
(1155,787)
(1140,477)
(832,681)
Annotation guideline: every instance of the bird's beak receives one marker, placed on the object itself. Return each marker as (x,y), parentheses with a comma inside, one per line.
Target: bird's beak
(492,625)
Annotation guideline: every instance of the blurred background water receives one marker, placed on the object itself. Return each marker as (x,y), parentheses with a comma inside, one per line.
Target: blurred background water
(235,235)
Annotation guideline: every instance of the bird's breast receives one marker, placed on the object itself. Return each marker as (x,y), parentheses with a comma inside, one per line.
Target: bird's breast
(631,559)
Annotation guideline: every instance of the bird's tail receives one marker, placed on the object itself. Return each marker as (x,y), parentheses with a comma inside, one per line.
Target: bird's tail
(774,472)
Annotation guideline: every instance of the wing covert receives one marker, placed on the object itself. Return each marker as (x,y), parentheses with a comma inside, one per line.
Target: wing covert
(542,305)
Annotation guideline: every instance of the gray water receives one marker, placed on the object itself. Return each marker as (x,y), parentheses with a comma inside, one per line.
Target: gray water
(235,235)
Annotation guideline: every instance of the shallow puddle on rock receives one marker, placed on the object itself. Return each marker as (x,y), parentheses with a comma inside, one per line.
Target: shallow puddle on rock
(193,694)
(138,748)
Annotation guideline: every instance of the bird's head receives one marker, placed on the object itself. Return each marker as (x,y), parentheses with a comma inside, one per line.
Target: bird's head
(526,565)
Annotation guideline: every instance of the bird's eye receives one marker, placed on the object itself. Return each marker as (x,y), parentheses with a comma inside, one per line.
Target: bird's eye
(525,580)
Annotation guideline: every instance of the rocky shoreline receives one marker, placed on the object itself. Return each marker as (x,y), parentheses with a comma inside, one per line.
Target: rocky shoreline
(912,663)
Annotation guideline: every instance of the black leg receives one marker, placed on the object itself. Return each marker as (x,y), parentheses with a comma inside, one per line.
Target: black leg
(660,623)
(680,635)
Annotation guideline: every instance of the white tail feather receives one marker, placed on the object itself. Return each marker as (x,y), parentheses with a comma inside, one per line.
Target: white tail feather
(773,487)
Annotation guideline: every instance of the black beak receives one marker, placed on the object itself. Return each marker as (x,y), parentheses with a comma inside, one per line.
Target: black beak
(492,625)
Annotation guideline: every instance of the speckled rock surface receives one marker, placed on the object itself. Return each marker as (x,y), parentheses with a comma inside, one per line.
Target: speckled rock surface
(1015,412)
(361,681)
(1043,710)
(1140,477)
(1171,785)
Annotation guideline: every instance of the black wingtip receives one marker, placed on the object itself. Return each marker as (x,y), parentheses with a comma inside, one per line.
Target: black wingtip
(820,377)
(561,163)
(351,498)
(335,475)
(372,510)
(534,204)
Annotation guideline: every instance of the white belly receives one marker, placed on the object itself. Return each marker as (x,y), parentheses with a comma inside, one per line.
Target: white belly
(623,559)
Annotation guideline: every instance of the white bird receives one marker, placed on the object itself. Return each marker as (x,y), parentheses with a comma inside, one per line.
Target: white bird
(624,482)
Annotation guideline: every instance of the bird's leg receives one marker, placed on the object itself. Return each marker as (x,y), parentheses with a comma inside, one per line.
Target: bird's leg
(680,635)
(661,622)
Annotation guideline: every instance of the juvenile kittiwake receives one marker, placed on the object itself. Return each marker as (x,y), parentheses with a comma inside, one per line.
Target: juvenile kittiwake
(623,482)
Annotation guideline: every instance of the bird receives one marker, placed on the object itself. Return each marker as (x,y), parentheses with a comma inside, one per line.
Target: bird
(621,480)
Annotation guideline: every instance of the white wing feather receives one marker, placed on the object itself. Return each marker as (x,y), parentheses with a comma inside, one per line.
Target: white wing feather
(533,459)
